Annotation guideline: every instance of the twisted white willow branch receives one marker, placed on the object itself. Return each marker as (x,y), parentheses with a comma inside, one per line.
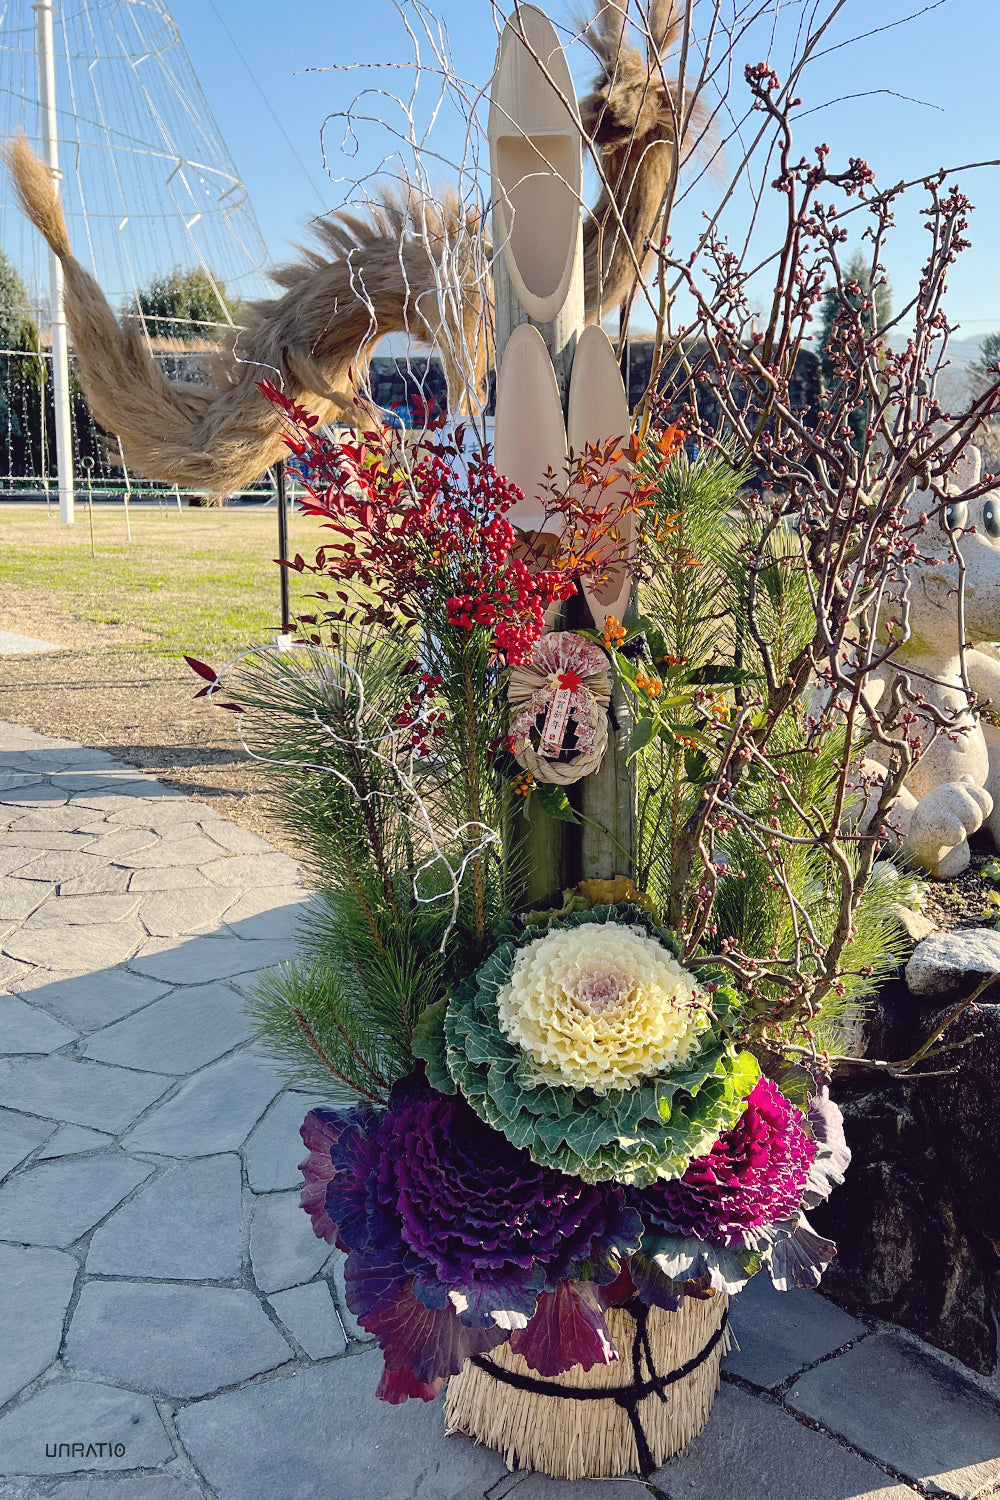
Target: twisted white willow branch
(476,837)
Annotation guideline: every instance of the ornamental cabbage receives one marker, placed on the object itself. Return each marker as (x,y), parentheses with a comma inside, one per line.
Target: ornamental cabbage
(530,1041)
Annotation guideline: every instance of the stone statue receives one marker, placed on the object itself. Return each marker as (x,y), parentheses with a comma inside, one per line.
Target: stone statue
(955,787)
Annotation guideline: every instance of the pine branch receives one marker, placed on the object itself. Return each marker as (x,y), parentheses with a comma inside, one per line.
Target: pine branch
(313,1041)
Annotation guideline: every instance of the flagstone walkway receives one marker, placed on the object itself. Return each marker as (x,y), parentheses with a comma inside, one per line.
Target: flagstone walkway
(169,1326)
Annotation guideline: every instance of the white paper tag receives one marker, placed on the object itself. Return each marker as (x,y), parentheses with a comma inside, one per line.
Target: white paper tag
(554,728)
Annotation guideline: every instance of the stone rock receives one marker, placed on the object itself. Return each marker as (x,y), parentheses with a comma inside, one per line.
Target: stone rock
(41,795)
(27,1028)
(177,1034)
(938,1428)
(141,794)
(11,780)
(84,911)
(15,976)
(267,913)
(186,848)
(121,841)
(283,1249)
(66,819)
(97,947)
(311,1318)
(352,1327)
(19,898)
(96,780)
(541,1487)
(15,859)
(78,1093)
(178,878)
(61,865)
(346,1444)
(914,923)
(148,1487)
(752,1448)
(159,816)
(275,1148)
(171,913)
(952,963)
(185,1226)
(236,840)
(93,1000)
(214,1111)
(57,1202)
(72,1140)
(19,1136)
(917,1221)
(35,1288)
(46,839)
(172,1340)
(101,879)
(197,960)
(781,1332)
(87,1411)
(252,870)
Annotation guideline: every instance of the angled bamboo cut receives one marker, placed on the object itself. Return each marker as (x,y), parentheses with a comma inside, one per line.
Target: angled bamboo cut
(598,411)
(529,434)
(536,163)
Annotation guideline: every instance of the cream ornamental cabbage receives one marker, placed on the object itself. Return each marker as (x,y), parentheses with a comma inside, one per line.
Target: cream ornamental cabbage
(601,1006)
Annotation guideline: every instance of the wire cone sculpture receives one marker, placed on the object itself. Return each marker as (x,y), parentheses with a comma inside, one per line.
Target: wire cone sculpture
(623,1418)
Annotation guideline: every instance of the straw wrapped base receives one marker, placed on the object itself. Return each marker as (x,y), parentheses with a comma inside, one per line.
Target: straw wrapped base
(626,1417)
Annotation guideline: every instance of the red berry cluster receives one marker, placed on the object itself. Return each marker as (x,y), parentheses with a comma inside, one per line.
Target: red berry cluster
(424,723)
(510,602)
(422,533)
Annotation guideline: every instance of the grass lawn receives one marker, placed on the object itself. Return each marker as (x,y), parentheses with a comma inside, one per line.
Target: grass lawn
(196,582)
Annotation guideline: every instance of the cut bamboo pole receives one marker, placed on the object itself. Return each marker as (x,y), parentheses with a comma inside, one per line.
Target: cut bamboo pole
(536,166)
(529,433)
(598,410)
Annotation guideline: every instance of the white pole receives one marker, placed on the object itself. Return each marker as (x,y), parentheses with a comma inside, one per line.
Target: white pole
(57,318)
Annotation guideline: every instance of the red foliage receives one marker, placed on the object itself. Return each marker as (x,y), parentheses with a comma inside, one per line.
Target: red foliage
(421,532)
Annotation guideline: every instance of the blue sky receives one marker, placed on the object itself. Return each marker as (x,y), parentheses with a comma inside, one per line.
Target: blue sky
(945,58)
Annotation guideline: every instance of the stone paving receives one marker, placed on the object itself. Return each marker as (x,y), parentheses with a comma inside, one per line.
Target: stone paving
(169,1326)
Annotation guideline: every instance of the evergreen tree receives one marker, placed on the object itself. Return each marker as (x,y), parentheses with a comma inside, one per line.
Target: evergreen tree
(187,305)
(22,378)
(857,270)
(979,374)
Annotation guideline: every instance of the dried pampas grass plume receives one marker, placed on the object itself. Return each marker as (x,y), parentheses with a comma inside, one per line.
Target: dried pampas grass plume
(633,117)
(412,266)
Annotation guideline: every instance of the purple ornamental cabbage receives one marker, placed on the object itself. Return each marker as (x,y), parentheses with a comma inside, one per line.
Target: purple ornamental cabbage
(755,1175)
(452,1234)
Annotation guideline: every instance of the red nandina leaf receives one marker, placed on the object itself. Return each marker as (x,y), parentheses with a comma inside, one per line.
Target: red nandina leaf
(202,669)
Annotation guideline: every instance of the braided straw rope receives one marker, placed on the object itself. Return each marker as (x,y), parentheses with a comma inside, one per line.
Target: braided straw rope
(588,1436)
(533,686)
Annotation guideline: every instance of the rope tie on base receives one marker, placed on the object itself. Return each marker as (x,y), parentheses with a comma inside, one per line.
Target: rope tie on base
(628,1397)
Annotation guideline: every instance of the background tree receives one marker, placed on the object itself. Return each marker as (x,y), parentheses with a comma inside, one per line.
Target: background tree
(854,295)
(188,305)
(877,317)
(22,377)
(980,376)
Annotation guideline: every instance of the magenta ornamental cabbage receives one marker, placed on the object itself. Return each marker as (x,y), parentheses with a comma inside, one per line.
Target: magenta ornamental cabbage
(755,1175)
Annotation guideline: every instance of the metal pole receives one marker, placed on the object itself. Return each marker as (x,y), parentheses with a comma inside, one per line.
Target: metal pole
(287,624)
(57,320)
